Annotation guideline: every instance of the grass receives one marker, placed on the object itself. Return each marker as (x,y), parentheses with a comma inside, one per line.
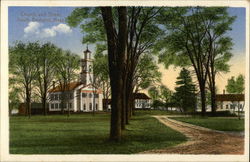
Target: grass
(156,112)
(87,134)
(216,123)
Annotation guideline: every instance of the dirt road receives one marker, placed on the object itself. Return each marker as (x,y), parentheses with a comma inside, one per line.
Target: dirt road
(201,140)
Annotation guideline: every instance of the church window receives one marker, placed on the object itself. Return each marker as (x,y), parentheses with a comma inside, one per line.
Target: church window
(90,95)
(84,95)
(56,106)
(90,68)
(52,106)
(84,106)
(85,55)
(56,96)
(90,106)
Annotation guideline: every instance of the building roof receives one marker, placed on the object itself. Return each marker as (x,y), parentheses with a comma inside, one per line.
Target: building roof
(230,97)
(71,86)
(141,96)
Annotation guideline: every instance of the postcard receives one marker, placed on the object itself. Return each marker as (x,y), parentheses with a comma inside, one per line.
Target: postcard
(125,80)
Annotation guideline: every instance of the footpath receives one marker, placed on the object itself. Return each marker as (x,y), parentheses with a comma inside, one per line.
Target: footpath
(201,140)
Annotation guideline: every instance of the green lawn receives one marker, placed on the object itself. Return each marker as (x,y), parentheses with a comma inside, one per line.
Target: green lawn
(217,123)
(86,134)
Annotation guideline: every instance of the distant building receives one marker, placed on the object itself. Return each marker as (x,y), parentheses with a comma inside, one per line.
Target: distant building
(142,101)
(231,102)
(36,108)
(79,96)
(225,102)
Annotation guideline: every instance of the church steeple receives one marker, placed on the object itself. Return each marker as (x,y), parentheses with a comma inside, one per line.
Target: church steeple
(86,66)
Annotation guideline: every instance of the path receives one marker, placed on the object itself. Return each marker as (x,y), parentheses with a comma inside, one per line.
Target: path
(200,140)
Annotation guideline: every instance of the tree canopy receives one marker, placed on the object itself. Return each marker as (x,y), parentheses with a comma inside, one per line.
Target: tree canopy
(236,85)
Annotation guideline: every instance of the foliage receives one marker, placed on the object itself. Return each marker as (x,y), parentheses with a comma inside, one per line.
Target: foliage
(185,95)
(157,104)
(33,67)
(101,73)
(147,73)
(23,68)
(14,98)
(161,95)
(45,65)
(196,36)
(86,134)
(236,85)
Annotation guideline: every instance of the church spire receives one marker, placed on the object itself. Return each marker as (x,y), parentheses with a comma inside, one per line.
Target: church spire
(86,66)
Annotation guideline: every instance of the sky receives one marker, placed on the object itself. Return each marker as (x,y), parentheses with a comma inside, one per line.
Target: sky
(45,24)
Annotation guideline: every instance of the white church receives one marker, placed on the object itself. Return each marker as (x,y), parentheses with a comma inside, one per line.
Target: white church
(81,96)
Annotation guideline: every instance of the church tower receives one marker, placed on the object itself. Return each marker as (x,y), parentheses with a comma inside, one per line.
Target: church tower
(86,74)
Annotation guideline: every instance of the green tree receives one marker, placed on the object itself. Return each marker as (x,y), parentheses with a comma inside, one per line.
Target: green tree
(101,75)
(146,74)
(236,85)
(185,91)
(45,64)
(23,68)
(14,98)
(142,34)
(195,37)
(66,70)
(162,96)
(218,47)
(154,93)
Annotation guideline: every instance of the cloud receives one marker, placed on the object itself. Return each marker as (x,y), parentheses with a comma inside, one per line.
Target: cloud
(47,33)
(62,28)
(35,29)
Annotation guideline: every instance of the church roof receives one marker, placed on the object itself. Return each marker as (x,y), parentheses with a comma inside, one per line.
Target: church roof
(141,96)
(71,86)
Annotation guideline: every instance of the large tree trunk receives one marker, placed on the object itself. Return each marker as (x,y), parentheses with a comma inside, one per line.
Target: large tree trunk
(213,90)
(124,102)
(129,92)
(44,105)
(28,101)
(116,57)
(203,98)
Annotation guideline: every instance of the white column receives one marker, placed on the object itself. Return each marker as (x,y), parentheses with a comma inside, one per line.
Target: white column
(100,104)
(74,101)
(81,106)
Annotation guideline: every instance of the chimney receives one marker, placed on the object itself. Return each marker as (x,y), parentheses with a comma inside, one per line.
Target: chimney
(224,91)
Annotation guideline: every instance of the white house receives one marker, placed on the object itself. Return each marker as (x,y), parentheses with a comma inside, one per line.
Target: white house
(80,96)
(142,101)
(230,102)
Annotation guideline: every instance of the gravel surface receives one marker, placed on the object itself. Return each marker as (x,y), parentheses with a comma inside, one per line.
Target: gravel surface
(200,140)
